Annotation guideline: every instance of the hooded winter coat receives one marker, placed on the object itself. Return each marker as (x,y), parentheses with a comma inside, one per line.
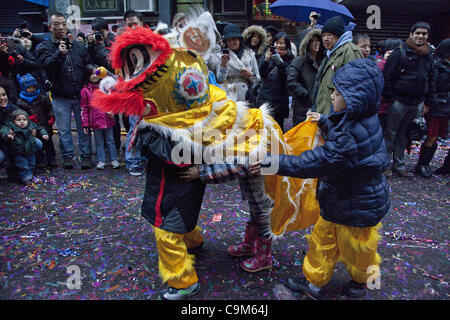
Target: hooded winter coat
(92,117)
(301,76)
(24,142)
(352,189)
(42,107)
(261,48)
(343,52)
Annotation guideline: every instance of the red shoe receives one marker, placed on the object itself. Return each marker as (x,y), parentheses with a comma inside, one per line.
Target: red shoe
(247,247)
(263,258)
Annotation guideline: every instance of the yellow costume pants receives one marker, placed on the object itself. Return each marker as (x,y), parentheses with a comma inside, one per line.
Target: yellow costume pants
(331,242)
(176,266)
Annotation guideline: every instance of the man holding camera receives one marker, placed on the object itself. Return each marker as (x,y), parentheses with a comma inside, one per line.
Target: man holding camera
(99,44)
(65,63)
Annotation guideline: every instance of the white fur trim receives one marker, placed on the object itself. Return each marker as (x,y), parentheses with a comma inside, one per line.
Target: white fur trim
(107,83)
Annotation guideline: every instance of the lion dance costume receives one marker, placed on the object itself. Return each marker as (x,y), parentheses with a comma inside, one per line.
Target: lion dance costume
(182,117)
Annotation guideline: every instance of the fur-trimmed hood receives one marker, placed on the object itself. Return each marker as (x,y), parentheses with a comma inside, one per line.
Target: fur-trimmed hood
(261,32)
(307,39)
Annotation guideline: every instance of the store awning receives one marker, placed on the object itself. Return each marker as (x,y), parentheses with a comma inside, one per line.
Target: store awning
(39,2)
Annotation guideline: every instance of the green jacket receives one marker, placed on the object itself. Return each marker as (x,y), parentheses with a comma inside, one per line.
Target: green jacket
(24,142)
(324,87)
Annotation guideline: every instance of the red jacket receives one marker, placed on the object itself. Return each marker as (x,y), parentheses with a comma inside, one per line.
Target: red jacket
(92,117)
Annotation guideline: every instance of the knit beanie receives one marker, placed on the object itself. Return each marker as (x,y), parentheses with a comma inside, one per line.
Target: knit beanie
(25,81)
(335,26)
(18,112)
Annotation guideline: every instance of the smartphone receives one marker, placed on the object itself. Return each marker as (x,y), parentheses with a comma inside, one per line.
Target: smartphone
(225,51)
(272,49)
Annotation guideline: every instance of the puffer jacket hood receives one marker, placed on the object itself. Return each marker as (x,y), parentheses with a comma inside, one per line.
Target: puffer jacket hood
(305,42)
(261,32)
(360,82)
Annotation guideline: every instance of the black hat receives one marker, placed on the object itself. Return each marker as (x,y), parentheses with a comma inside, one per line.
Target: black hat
(443,49)
(231,31)
(335,26)
(272,30)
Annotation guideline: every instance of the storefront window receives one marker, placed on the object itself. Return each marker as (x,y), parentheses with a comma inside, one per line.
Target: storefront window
(142,5)
(261,12)
(186,5)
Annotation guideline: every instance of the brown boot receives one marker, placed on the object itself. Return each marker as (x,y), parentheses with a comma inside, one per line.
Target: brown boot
(263,258)
(247,247)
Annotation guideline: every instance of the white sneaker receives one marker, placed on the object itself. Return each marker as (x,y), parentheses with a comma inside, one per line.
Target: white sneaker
(115,164)
(100,165)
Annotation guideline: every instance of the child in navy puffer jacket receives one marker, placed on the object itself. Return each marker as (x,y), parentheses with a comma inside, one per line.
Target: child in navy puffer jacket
(352,191)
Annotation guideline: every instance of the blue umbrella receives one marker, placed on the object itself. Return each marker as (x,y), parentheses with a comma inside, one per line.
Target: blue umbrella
(40,2)
(299,10)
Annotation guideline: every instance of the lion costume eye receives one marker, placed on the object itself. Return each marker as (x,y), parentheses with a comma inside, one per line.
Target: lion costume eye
(137,59)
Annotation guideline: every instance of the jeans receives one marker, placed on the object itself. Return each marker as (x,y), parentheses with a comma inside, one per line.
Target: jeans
(2,156)
(63,108)
(25,166)
(132,157)
(26,163)
(101,136)
(117,132)
(398,119)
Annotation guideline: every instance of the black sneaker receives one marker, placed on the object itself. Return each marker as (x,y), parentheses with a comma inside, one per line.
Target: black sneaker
(52,164)
(86,163)
(197,251)
(68,163)
(302,285)
(135,171)
(354,289)
(171,293)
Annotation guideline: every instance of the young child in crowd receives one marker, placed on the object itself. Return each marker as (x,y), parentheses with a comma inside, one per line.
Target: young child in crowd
(101,122)
(22,145)
(352,191)
(39,109)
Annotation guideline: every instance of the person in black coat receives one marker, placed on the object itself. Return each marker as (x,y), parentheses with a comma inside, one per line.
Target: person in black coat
(438,102)
(352,191)
(302,72)
(65,61)
(273,73)
(406,74)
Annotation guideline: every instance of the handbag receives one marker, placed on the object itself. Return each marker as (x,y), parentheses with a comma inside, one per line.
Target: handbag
(255,89)
(417,129)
